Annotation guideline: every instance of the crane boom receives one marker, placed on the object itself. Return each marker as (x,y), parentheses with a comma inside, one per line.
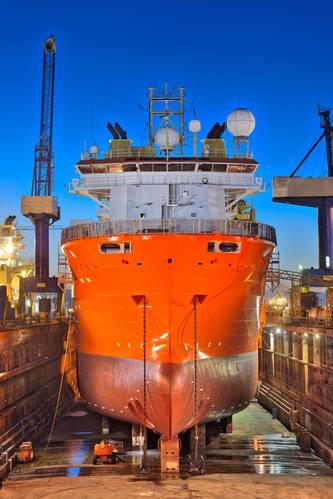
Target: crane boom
(42,175)
(41,206)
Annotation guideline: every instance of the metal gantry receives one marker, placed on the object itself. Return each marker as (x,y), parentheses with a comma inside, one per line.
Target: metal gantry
(314,192)
(43,165)
(167,98)
(41,206)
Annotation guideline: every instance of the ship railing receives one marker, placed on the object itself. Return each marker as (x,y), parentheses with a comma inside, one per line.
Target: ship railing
(107,180)
(169,226)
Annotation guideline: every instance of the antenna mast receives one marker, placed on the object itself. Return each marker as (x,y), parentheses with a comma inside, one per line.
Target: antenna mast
(154,109)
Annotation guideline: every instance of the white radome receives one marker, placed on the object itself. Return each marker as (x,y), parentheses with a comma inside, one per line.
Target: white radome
(194,126)
(241,122)
(167,138)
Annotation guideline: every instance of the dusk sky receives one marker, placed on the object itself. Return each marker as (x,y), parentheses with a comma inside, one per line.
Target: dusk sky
(274,57)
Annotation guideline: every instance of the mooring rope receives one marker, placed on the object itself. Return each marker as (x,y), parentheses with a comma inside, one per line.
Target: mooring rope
(144,346)
(196,434)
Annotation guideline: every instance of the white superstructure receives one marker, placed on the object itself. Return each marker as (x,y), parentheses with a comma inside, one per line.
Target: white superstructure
(156,181)
(141,190)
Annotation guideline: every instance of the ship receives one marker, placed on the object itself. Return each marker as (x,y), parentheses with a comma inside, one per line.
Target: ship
(169,281)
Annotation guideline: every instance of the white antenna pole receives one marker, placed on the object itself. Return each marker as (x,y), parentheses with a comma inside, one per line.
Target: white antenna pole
(194,126)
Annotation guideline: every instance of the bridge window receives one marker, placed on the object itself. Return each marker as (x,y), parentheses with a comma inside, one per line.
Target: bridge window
(146,167)
(129,168)
(205,167)
(219,168)
(157,167)
(184,167)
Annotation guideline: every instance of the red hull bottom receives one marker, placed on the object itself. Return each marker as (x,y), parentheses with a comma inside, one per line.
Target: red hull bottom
(114,386)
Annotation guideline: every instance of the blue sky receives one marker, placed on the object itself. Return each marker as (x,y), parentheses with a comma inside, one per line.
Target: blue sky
(272,57)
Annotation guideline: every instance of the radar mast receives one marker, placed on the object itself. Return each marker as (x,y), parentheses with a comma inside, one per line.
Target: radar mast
(166,104)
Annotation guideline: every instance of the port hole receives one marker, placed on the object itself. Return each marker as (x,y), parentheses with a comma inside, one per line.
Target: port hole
(115,248)
(169,260)
(223,247)
(228,247)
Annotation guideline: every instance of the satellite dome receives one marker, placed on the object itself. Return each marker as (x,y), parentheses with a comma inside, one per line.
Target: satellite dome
(194,126)
(241,122)
(167,138)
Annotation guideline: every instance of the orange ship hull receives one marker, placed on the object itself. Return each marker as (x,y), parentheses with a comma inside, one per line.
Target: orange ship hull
(169,272)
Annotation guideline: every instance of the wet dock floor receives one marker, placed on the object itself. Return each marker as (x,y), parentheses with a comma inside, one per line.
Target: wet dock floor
(259,445)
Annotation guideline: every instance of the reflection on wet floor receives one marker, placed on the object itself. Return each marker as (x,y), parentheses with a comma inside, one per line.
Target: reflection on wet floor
(258,445)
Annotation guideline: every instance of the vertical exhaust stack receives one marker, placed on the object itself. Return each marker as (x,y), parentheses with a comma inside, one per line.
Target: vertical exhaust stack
(120,145)
(212,132)
(122,133)
(213,144)
(113,131)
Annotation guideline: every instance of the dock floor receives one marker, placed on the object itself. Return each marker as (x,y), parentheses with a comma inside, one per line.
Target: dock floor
(260,459)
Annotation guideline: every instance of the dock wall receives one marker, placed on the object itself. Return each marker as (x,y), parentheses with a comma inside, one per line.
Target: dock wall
(32,359)
(296,372)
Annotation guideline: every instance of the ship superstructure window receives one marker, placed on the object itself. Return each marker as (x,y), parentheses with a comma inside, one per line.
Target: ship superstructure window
(181,167)
(223,247)
(220,168)
(205,167)
(129,168)
(115,247)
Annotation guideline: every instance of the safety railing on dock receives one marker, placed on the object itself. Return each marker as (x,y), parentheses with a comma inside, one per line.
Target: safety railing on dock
(307,321)
(169,226)
(30,321)
(29,428)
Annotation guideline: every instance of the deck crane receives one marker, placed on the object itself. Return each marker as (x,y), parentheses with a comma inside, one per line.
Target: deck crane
(41,206)
(315,192)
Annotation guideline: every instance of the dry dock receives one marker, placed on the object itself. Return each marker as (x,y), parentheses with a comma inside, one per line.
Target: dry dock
(209,486)
(259,459)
